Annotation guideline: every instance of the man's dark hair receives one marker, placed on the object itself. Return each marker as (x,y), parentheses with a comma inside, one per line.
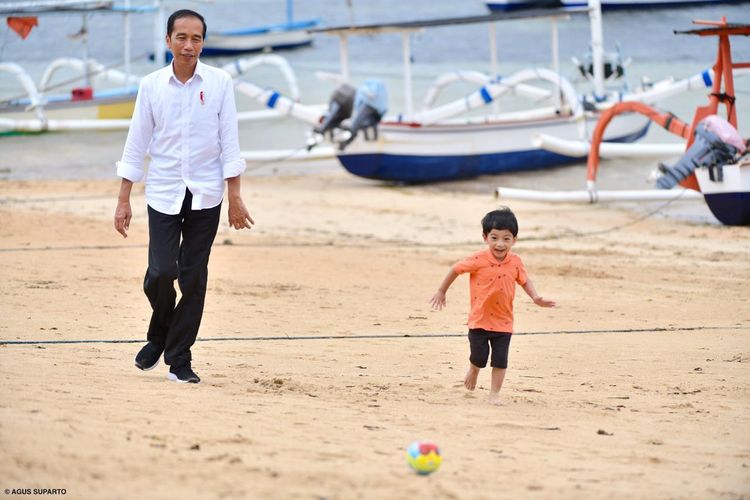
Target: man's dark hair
(178,14)
(500,219)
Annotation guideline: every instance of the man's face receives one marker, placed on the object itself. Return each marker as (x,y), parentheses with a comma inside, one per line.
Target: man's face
(186,41)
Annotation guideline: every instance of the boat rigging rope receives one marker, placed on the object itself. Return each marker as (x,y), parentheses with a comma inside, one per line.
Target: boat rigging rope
(258,166)
(578,234)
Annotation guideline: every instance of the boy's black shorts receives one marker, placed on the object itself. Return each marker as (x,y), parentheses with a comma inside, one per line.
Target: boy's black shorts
(480,341)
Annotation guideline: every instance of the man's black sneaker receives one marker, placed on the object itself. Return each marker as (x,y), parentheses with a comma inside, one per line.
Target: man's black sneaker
(148,357)
(183,374)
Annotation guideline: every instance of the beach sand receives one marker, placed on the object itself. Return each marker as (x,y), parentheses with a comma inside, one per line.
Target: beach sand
(321,360)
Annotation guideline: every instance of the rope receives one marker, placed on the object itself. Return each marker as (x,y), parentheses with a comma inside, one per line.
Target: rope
(396,244)
(385,243)
(578,234)
(275,160)
(377,336)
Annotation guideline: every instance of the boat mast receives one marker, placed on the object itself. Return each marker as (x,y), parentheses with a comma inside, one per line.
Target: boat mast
(494,74)
(597,47)
(126,41)
(556,59)
(86,51)
(407,72)
(159,44)
(344,56)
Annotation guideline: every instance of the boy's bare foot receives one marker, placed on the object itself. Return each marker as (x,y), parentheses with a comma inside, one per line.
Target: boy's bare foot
(470,381)
(494,399)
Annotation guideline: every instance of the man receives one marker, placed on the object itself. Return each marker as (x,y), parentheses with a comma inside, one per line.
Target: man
(185,117)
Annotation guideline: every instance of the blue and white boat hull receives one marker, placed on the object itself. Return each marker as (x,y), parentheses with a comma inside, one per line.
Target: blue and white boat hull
(404,153)
(728,199)
(513,5)
(646,4)
(248,40)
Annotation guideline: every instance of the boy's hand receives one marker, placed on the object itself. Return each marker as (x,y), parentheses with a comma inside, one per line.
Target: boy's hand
(541,302)
(438,300)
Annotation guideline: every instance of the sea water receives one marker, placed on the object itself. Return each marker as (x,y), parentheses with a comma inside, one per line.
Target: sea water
(646,38)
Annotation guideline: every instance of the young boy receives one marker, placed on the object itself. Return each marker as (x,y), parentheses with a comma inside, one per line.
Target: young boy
(493,276)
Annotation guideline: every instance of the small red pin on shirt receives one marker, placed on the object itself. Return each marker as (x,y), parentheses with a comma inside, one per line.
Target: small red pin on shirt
(203,98)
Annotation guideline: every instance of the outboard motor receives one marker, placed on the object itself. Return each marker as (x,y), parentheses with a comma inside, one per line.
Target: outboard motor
(339,108)
(370,104)
(716,143)
(614,64)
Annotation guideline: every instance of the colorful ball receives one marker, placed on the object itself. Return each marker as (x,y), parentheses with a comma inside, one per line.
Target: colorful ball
(424,457)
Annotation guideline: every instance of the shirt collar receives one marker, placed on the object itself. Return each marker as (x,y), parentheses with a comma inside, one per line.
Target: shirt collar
(200,71)
(491,258)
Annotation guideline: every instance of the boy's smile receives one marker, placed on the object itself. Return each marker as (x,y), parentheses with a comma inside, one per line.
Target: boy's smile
(499,242)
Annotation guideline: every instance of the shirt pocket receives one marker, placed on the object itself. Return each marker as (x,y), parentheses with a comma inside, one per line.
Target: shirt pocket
(159,112)
(205,116)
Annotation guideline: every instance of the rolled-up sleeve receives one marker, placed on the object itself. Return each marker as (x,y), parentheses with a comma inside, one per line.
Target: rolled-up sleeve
(130,167)
(231,162)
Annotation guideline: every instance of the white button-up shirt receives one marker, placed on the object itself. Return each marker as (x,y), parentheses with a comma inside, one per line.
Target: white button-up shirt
(190,131)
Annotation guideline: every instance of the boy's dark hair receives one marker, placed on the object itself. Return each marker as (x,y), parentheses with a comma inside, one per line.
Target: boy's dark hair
(178,14)
(502,218)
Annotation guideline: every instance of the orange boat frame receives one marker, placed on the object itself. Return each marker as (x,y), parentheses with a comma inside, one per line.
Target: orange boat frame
(723,73)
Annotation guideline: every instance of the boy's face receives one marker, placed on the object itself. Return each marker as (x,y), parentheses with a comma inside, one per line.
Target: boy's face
(499,242)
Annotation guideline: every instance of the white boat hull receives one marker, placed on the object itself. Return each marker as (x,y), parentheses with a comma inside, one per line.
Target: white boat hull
(109,113)
(645,4)
(728,198)
(403,153)
(218,44)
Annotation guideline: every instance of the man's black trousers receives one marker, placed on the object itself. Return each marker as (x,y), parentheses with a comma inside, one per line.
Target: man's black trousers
(179,247)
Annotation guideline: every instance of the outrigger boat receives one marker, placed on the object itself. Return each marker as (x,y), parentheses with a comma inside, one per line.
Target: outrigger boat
(272,37)
(716,163)
(436,143)
(608,5)
(101,98)
(85,106)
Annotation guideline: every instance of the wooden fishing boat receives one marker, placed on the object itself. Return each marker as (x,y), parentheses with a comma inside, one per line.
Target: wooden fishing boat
(290,34)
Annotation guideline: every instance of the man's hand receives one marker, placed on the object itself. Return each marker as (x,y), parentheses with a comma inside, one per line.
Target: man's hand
(123,214)
(239,217)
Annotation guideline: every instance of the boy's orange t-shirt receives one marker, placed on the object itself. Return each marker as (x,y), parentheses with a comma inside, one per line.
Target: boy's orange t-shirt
(492,286)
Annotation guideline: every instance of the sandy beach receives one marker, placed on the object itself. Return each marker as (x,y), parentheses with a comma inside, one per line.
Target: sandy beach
(321,360)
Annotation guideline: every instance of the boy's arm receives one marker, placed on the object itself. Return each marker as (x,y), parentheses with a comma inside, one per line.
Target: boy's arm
(438,300)
(528,287)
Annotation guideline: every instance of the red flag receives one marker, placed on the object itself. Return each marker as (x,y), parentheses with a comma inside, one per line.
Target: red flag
(22,25)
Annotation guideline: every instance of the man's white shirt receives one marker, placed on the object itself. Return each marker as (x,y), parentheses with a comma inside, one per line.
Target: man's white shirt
(190,132)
